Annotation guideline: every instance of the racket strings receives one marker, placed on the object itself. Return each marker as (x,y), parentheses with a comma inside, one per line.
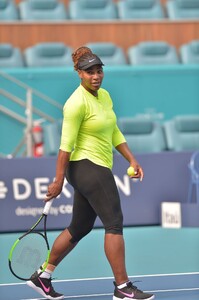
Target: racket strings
(28,255)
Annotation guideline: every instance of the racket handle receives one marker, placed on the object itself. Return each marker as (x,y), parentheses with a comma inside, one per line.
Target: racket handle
(47,207)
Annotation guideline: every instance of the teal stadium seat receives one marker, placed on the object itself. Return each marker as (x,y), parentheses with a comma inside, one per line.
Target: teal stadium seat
(140,9)
(182,133)
(147,53)
(90,9)
(42,10)
(8,10)
(52,135)
(109,53)
(143,135)
(189,53)
(10,57)
(182,9)
(48,55)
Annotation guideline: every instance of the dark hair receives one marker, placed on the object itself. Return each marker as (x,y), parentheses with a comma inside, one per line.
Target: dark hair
(80,54)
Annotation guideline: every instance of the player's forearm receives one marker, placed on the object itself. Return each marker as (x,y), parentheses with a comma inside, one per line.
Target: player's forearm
(126,153)
(62,164)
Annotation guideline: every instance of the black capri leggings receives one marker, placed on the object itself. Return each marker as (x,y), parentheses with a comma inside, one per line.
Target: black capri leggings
(95,194)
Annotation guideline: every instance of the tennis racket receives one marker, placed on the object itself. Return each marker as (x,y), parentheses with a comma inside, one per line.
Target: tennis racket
(31,250)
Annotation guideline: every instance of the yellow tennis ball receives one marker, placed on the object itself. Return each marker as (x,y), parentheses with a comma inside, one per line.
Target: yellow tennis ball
(131,171)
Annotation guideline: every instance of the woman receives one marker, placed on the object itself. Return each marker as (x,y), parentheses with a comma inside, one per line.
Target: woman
(85,157)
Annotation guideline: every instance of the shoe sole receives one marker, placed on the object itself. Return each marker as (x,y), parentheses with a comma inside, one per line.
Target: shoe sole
(116,298)
(41,292)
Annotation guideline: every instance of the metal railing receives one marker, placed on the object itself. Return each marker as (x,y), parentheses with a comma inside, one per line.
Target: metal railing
(27,139)
(34,91)
(24,104)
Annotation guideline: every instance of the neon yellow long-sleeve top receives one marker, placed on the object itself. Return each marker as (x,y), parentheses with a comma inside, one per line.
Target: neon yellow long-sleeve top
(89,129)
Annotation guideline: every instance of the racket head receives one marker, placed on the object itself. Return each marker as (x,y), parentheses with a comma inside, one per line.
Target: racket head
(28,254)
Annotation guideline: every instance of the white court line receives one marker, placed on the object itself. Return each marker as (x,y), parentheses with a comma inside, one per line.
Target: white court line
(110,294)
(75,296)
(173,290)
(107,278)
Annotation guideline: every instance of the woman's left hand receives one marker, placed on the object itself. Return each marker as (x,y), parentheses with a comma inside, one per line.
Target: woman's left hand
(139,173)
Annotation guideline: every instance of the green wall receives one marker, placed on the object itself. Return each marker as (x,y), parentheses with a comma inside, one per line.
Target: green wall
(170,90)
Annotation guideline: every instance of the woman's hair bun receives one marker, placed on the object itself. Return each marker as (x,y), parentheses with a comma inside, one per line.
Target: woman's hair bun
(78,53)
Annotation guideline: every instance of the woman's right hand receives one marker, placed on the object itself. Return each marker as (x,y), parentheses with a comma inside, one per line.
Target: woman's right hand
(54,189)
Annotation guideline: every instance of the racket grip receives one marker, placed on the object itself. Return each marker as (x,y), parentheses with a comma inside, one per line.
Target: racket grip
(47,207)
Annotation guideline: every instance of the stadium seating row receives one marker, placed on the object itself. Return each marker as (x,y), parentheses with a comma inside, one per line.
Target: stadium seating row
(143,134)
(33,10)
(178,134)
(59,55)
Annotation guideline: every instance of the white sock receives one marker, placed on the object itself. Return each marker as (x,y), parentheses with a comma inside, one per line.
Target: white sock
(46,274)
(121,286)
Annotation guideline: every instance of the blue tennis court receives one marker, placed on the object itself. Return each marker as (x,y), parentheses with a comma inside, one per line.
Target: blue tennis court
(164,286)
(170,266)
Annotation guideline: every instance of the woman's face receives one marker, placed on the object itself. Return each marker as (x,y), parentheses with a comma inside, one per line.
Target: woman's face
(91,79)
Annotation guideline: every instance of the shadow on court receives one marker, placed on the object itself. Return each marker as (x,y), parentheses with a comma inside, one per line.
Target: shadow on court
(164,286)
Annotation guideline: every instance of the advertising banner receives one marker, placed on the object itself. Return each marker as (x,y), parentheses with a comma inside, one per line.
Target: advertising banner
(24,183)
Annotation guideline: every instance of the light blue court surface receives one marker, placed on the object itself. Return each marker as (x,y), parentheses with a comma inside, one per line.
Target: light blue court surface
(150,251)
(167,287)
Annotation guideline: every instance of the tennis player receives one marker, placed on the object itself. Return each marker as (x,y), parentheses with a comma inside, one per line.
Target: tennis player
(85,157)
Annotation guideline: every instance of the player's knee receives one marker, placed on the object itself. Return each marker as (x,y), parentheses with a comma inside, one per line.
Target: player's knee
(115,226)
(76,236)
(114,229)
